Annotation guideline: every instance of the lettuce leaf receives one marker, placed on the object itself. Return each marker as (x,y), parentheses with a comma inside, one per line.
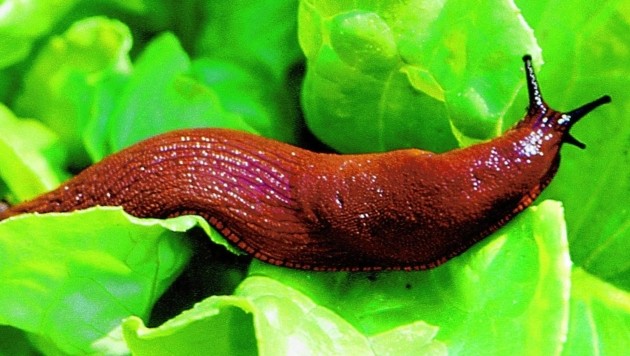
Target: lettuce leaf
(252,77)
(31,156)
(283,320)
(23,22)
(416,74)
(71,278)
(600,316)
(160,97)
(233,25)
(66,74)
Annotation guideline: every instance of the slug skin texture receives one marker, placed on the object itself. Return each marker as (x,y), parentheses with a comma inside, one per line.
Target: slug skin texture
(405,209)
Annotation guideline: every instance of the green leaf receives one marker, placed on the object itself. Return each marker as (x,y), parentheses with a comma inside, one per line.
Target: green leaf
(71,278)
(252,77)
(266,108)
(600,317)
(218,324)
(384,76)
(288,321)
(413,339)
(284,321)
(235,24)
(96,132)
(138,6)
(495,298)
(161,97)
(22,22)
(59,86)
(30,155)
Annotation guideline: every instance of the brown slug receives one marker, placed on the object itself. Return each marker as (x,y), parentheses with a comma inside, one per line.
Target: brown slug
(405,209)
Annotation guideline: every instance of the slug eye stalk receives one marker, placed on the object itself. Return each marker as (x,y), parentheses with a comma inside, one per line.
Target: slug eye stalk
(539,110)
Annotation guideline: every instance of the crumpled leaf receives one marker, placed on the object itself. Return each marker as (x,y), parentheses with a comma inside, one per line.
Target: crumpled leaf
(220,325)
(59,86)
(414,74)
(471,305)
(22,22)
(495,298)
(30,156)
(161,97)
(600,317)
(72,278)
(233,25)
(284,321)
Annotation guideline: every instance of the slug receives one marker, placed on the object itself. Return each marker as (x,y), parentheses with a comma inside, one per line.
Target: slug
(404,209)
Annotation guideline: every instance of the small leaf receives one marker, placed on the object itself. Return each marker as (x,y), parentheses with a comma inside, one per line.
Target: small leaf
(217,325)
(161,97)
(23,22)
(60,85)
(30,156)
(600,317)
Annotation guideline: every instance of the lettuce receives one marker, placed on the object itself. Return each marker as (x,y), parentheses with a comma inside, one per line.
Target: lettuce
(66,73)
(28,168)
(376,66)
(82,80)
(71,279)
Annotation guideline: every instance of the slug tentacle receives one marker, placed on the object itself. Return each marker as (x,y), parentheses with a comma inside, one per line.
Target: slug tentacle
(537,105)
(540,115)
(284,205)
(575,115)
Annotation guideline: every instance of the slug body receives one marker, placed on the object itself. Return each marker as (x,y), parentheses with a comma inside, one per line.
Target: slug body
(406,209)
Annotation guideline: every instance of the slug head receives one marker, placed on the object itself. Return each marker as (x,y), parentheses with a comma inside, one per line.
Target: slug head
(540,115)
